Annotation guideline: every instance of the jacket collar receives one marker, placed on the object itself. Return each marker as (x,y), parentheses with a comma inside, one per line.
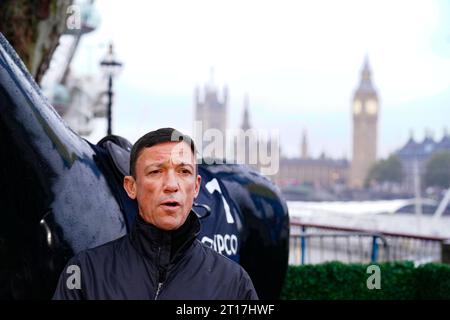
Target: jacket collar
(151,241)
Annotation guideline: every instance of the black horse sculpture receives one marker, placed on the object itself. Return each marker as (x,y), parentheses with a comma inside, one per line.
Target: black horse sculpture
(61,194)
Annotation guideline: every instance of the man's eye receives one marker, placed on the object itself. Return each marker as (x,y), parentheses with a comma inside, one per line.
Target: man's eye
(186,171)
(154,172)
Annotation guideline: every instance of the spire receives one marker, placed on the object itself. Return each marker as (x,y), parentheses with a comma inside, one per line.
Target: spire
(365,85)
(411,135)
(210,95)
(246,119)
(366,72)
(304,154)
(225,94)
(445,141)
(197,94)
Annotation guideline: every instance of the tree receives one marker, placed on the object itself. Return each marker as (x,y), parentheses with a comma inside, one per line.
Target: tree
(33,28)
(437,170)
(386,171)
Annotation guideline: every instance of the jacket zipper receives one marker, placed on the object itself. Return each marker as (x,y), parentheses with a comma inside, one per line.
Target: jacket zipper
(159,289)
(161,277)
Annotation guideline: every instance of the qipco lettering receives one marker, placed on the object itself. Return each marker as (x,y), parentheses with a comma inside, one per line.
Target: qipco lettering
(227,243)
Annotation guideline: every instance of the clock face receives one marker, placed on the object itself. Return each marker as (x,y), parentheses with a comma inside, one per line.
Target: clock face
(371,107)
(357,107)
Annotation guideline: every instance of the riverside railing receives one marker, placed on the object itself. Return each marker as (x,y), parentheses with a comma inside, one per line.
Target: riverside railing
(316,243)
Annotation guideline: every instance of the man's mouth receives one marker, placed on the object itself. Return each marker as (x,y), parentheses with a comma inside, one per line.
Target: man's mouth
(170,204)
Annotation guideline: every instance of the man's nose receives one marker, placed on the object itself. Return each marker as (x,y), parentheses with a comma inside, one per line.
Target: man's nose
(170,182)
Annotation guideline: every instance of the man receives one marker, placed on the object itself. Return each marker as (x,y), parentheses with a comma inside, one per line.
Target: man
(160,258)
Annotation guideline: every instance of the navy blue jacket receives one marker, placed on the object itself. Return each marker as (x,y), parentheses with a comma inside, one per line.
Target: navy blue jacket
(149,263)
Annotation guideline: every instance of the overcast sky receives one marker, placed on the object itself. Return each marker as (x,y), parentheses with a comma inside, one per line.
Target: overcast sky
(299,62)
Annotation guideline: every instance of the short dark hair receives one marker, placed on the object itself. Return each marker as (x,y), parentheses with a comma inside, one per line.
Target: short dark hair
(156,137)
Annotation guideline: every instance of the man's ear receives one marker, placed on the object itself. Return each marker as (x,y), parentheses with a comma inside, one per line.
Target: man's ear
(198,182)
(129,184)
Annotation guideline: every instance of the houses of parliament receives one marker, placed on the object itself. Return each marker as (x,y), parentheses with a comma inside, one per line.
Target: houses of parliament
(322,172)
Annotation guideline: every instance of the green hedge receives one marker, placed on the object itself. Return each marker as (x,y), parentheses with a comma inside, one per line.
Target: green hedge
(336,280)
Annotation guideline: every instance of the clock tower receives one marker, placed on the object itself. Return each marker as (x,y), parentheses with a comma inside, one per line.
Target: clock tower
(365,110)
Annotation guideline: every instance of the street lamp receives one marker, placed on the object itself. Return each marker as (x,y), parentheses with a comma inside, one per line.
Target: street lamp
(110,67)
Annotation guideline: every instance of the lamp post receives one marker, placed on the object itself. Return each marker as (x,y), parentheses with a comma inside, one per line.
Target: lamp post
(110,67)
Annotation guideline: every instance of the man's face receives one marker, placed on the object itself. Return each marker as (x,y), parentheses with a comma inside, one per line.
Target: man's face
(166,184)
